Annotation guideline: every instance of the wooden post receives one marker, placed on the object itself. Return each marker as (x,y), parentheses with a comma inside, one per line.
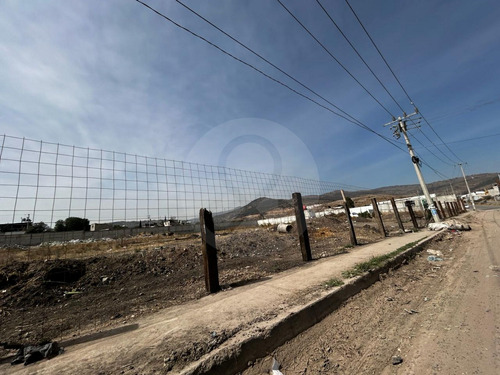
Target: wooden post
(209,251)
(463,205)
(412,214)
(378,216)
(448,208)
(455,207)
(438,211)
(441,209)
(460,206)
(396,213)
(352,234)
(343,195)
(305,247)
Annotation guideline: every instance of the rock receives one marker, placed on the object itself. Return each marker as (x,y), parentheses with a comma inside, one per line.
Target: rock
(396,360)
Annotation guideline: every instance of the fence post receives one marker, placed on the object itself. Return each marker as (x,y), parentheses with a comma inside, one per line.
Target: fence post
(396,213)
(441,209)
(437,210)
(460,207)
(455,208)
(352,233)
(463,205)
(448,208)
(378,217)
(305,247)
(209,251)
(412,214)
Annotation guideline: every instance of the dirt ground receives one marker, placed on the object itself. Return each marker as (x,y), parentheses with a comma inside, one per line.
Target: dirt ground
(68,290)
(436,317)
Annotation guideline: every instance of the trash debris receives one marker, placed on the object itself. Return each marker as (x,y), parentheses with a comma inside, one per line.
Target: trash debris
(433,258)
(437,253)
(449,224)
(275,368)
(411,311)
(397,360)
(34,353)
(284,228)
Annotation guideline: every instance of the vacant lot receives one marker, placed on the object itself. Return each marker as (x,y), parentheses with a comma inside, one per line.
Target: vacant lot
(58,291)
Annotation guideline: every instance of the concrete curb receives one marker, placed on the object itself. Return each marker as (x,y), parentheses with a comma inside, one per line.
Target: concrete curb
(234,357)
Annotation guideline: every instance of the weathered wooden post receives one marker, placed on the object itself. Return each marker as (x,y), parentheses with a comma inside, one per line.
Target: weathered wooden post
(441,209)
(408,205)
(378,216)
(463,205)
(448,208)
(305,247)
(438,211)
(460,205)
(396,213)
(352,233)
(455,208)
(209,251)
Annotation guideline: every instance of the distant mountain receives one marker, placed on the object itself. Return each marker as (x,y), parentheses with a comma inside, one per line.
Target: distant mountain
(259,207)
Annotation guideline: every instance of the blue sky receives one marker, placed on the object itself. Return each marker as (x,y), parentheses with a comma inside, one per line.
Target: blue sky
(113,75)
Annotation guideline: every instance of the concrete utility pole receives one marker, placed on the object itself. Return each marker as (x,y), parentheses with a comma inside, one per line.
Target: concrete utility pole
(468,189)
(400,127)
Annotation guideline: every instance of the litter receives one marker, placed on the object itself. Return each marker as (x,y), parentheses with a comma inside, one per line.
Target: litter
(34,353)
(449,224)
(275,368)
(433,258)
(437,253)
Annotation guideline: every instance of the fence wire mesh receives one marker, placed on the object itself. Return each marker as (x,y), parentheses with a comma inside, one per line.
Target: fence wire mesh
(48,181)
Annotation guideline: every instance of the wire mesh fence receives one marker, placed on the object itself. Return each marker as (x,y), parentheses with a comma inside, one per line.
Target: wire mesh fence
(46,182)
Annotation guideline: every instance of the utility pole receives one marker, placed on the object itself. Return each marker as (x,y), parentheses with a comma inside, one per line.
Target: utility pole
(468,189)
(400,127)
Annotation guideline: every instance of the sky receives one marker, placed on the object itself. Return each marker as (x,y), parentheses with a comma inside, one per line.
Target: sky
(114,75)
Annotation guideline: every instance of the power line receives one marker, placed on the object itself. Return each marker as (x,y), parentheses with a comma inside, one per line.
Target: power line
(267,61)
(359,55)
(355,122)
(475,138)
(424,146)
(333,57)
(363,126)
(378,79)
(397,79)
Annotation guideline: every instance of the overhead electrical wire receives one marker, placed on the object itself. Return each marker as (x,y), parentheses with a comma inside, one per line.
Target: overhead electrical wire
(359,55)
(355,122)
(267,61)
(333,56)
(350,118)
(339,29)
(398,81)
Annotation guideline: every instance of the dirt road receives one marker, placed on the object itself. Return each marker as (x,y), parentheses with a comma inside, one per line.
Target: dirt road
(439,317)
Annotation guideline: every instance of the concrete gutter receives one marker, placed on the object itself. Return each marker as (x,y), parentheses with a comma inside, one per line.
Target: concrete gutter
(234,355)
